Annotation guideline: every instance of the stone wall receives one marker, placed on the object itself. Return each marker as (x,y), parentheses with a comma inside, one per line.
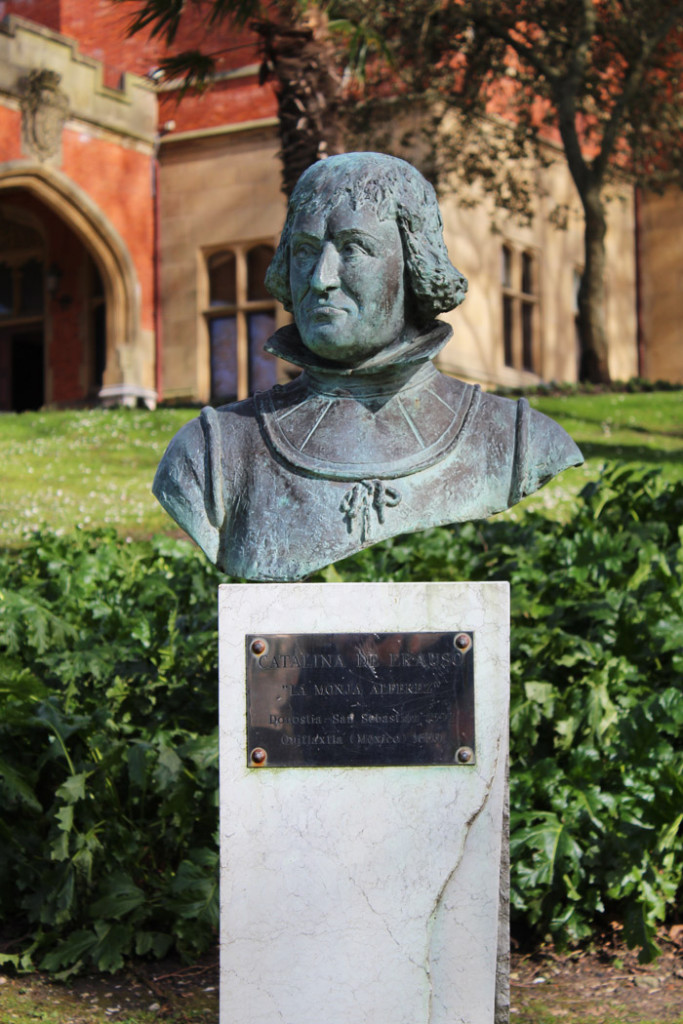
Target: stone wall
(476,236)
(661,231)
(219,190)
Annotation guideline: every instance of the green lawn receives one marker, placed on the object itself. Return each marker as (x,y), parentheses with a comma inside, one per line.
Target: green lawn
(95,467)
(92,468)
(642,428)
(634,428)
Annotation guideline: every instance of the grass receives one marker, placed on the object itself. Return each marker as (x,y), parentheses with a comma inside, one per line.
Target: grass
(34,1000)
(95,467)
(92,468)
(645,428)
(583,1010)
(539,1014)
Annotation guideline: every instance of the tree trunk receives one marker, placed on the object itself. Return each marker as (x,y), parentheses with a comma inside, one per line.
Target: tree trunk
(594,365)
(302,59)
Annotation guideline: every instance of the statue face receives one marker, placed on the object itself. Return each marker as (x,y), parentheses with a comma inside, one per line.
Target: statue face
(346,278)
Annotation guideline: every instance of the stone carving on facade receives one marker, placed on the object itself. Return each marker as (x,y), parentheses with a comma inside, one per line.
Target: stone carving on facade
(371,440)
(45,108)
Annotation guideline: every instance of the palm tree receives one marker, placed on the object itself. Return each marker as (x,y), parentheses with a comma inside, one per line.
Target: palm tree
(296,51)
(301,57)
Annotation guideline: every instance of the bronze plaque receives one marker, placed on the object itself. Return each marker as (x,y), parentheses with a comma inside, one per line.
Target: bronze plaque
(360,699)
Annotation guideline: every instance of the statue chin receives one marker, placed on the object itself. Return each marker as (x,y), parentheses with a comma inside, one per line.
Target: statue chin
(354,352)
(336,350)
(342,343)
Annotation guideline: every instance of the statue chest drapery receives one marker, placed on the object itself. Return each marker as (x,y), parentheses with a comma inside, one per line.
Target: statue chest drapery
(299,477)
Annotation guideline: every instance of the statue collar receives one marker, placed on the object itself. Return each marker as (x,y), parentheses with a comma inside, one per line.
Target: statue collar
(287,344)
(387,418)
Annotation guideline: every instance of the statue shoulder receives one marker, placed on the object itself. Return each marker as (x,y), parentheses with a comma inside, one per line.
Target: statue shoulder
(525,448)
(191,481)
(542,450)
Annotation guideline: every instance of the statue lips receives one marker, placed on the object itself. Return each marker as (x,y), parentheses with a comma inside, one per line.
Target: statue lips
(327,312)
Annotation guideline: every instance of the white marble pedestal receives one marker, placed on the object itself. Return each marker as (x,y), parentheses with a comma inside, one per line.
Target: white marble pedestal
(362,895)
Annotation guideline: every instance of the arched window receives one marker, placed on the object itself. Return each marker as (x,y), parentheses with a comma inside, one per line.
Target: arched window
(22,288)
(241,317)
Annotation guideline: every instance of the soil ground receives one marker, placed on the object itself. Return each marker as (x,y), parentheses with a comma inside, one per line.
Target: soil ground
(145,993)
(605,986)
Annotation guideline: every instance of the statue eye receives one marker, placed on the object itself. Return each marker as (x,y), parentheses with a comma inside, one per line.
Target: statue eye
(353,249)
(305,250)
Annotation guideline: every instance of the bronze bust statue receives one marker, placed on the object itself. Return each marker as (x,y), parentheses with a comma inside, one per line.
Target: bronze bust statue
(371,440)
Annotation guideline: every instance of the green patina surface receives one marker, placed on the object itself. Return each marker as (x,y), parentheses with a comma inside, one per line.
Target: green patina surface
(92,468)
(371,440)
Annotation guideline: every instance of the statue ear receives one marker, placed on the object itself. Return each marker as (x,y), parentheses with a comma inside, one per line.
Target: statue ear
(277,274)
(411,310)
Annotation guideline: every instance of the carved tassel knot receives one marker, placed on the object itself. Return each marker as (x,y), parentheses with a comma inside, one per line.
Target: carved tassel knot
(361,498)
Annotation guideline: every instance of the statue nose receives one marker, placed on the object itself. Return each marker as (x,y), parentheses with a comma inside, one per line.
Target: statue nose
(326,272)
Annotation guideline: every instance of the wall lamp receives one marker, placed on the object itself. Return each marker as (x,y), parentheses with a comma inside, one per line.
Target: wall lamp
(53,280)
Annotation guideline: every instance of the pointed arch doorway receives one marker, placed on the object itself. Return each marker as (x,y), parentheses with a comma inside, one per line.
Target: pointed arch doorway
(86,336)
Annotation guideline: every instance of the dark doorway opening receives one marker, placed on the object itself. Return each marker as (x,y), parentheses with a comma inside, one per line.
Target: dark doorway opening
(22,369)
(98,328)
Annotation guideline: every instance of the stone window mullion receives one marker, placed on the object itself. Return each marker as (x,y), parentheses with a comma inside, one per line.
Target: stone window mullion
(239,315)
(520,312)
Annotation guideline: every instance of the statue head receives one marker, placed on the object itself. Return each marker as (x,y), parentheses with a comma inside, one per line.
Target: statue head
(361,260)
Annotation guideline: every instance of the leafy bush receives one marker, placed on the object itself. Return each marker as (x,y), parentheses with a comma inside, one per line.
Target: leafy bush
(596,698)
(108,750)
(108,746)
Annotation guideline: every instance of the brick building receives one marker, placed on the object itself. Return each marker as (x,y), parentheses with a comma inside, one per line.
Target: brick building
(93,261)
(135,231)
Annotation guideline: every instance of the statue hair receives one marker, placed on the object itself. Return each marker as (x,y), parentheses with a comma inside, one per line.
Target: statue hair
(394,189)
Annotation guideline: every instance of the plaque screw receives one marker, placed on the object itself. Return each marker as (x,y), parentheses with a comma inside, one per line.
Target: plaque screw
(258,647)
(258,755)
(463,642)
(464,755)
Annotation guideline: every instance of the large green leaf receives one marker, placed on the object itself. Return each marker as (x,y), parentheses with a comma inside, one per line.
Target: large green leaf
(120,897)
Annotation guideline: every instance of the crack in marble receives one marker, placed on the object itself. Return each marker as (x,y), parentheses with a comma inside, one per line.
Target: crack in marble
(438,903)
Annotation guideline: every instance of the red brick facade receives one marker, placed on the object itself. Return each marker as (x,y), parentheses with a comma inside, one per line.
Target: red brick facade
(10,134)
(91,187)
(100,27)
(229,102)
(119,181)
(42,12)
